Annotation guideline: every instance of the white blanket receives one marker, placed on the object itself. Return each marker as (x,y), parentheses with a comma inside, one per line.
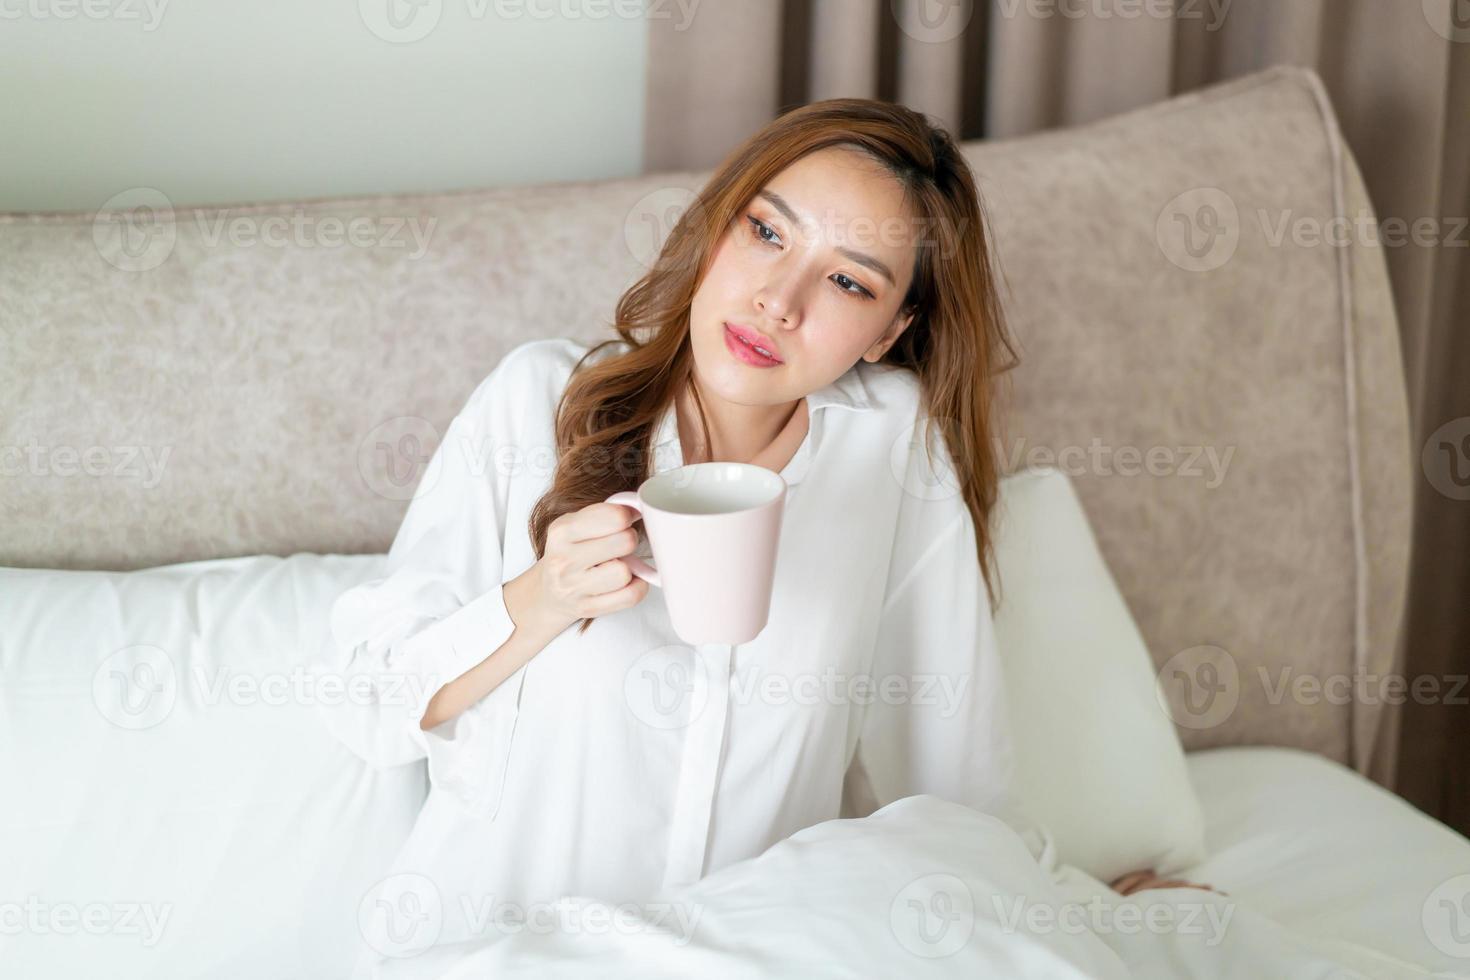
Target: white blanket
(921,887)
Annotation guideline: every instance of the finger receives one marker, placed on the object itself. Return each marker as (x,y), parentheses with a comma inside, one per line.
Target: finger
(1151,881)
(624,598)
(1132,878)
(599,520)
(596,551)
(608,576)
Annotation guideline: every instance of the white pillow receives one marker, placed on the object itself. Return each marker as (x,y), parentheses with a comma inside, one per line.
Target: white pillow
(1098,763)
(165,773)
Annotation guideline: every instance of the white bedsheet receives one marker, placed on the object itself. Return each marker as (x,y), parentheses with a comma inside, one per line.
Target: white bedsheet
(905,891)
(923,887)
(1322,850)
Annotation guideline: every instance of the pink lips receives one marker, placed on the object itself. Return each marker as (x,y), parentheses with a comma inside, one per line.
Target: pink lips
(742,342)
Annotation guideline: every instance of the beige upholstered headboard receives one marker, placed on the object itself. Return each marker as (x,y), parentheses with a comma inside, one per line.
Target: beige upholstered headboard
(268,378)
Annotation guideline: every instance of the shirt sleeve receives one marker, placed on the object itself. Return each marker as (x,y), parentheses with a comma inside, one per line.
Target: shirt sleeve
(439,610)
(937,722)
(943,725)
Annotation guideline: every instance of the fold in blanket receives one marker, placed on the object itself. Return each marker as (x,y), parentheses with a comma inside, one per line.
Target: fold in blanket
(922,885)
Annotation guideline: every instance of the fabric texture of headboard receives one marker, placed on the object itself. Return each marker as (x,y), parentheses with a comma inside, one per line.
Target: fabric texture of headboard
(190,383)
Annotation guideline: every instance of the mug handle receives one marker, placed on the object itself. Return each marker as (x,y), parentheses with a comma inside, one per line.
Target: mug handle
(636,565)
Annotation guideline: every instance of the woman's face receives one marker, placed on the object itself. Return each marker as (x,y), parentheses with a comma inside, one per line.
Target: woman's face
(813,270)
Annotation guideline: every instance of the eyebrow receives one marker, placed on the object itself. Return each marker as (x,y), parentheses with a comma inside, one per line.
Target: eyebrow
(860,258)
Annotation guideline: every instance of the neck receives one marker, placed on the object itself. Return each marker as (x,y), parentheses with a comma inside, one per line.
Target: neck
(739,433)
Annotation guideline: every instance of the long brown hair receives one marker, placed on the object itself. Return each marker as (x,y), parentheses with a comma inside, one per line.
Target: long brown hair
(607,413)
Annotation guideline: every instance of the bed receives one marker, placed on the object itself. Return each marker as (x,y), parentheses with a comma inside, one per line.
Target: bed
(194,431)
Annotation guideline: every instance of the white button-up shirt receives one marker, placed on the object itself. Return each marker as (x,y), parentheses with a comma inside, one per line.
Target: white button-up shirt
(621,760)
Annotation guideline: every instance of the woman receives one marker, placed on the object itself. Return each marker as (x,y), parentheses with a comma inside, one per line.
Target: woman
(825,308)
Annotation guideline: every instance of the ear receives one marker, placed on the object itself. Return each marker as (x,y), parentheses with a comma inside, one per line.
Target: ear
(890,337)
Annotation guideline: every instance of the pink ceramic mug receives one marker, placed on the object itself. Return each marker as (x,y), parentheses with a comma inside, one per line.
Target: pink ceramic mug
(713,528)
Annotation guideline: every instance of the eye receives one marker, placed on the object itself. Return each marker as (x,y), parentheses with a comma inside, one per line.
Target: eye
(859,291)
(760,228)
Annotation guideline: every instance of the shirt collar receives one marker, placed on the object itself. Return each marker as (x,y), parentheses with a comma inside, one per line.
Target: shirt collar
(849,391)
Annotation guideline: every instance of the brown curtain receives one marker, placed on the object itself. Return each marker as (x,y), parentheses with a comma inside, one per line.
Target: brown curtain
(1398,72)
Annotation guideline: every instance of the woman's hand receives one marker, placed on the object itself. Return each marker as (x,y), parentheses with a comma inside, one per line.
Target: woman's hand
(582,574)
(1137,881)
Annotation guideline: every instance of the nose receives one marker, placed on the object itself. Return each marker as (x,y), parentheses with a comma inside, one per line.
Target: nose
(777,300)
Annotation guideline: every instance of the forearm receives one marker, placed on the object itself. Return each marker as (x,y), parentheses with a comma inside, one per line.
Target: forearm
(530,637)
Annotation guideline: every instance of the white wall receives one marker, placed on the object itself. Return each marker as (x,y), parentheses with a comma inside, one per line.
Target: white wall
(224,101)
